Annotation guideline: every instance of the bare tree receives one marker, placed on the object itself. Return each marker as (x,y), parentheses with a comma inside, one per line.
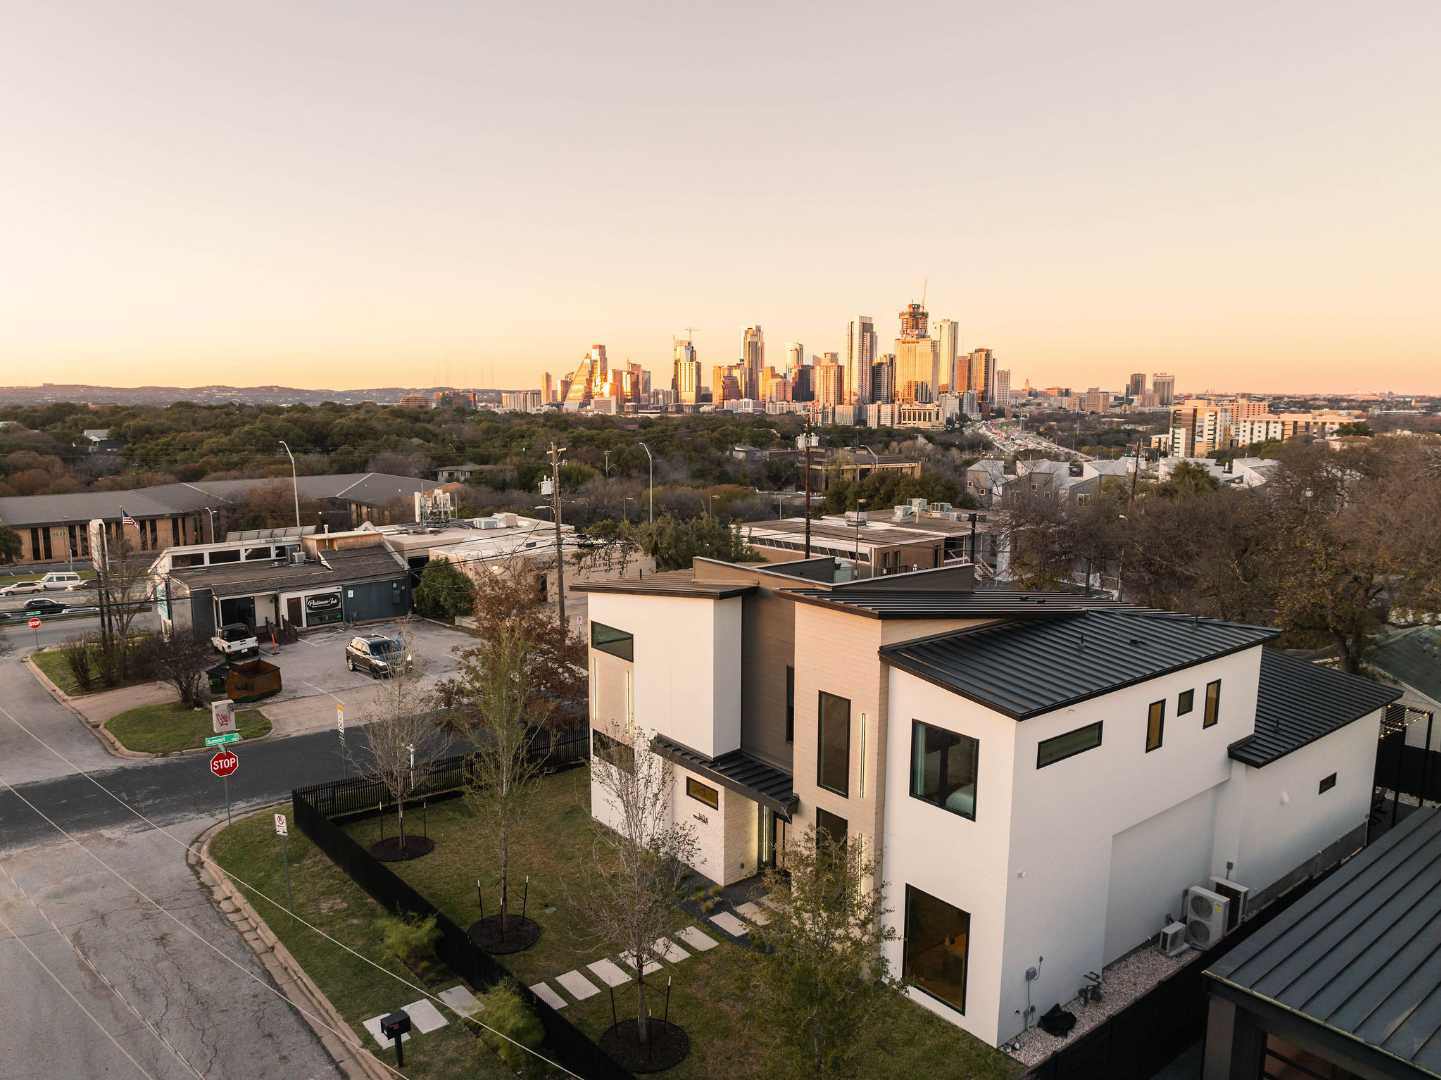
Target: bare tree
(183,662)
(501,713)
(401,733)
(124,583)
(640,860)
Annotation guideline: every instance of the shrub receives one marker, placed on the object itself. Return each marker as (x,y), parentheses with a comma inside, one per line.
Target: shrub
(444,591)
(410,940)
(506,1011)
(80,659)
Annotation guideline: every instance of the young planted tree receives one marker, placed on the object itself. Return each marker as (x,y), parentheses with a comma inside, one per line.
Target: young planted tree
(124,589)
(183,662)
(820,977)
(639,862)
(501,713)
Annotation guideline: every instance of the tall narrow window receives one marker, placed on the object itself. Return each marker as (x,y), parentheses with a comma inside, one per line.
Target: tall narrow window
(1212,715)
(629,700)
(833,744)
(1155,725)
(937,947)
(790,703)
(943,768)
(861,761)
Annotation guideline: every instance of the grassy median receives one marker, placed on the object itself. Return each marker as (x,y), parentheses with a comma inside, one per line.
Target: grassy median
(163,729)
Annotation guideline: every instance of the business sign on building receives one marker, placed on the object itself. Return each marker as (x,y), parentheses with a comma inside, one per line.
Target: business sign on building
(321,608)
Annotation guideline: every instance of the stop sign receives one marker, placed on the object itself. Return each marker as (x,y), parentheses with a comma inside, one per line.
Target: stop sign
(224,763)
(34,623)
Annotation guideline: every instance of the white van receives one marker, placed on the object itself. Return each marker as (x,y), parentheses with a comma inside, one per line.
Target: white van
(62,579)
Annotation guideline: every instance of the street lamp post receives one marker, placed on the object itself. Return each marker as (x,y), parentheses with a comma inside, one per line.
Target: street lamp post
(294,483)
(651,461)
(211,512)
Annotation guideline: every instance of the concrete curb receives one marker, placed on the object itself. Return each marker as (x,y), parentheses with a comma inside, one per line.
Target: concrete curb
(279,964)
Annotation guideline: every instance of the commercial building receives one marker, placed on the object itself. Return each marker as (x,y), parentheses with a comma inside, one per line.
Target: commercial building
(753,358)
(917,357)
(861,345)
(948,348)
(829,382)
(1164,387)
(1136,385)
(686,377)
(1040,777)
(983,375)
(851,466)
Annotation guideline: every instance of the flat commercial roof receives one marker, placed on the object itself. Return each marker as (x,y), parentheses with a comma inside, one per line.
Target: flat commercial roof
(1298,702)
(667,583)
(266,575)
(1023,668)
(1359,956)
(869,534)
(959,605)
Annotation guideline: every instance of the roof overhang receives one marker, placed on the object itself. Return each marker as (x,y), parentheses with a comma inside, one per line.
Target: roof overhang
(736,771)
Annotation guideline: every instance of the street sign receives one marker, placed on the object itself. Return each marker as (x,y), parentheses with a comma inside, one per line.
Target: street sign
(34,623)
(340,717)
(280,825)
(222,715)
(221,740)
(224,763)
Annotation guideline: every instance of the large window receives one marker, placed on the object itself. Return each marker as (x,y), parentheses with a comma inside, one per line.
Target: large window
(790,703)
(937,947)
(610,640)
(831,828)
(1212,715)
(617,753)
(943,768)
(833,757)
(702,792)
(1050,751)
(1155,725)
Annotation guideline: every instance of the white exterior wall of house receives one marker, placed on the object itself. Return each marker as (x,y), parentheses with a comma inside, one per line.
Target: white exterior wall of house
(726,843)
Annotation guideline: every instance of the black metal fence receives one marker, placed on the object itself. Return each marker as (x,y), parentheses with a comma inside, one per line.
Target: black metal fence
(317,805)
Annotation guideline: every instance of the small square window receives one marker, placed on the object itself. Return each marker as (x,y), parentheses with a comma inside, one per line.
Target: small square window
(702,792)
(1155,725)
(1186,702)
(1327,783)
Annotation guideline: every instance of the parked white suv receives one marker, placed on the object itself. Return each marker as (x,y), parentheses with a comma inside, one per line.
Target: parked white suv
(58,579)
(21,587)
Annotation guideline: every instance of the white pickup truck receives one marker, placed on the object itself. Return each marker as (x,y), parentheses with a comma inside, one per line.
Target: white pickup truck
(234,640)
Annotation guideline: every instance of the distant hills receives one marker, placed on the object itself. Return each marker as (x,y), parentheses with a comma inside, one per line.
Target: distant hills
(50,393)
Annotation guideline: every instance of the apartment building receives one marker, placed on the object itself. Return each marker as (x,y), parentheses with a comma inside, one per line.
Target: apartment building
(1038,775)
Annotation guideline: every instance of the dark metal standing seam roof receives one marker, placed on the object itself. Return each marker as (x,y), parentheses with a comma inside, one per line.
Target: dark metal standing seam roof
(1298,702)
(736,770)
(959,605)
(374,562)
(1360,954)
(1025,668)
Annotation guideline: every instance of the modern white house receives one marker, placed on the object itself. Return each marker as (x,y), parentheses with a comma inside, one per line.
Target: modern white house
(1041,777)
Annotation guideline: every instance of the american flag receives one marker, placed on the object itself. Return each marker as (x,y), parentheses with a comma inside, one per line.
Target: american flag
(126,519)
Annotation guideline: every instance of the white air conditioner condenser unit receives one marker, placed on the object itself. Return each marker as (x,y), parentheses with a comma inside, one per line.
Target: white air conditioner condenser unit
(1237,893)
(1173,939)
(1205,916)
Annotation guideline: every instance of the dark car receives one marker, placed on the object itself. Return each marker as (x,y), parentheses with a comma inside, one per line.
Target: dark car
(377,654)
(43,606)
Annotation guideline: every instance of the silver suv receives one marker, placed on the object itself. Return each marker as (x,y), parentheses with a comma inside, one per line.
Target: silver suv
(379,655)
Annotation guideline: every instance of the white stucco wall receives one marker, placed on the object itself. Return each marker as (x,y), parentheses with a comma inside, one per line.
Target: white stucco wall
(725,837)
(687,665)
(957,860)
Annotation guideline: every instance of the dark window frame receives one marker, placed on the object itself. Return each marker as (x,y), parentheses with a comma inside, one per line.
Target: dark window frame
(1327,783)
(824,830)
(612,751)
(621,644)
(918,727)
(845,790)
(1185,702)
(1211,715)
(790,703)
(1160,725)
(908,935)
(691,784)
(1041,746)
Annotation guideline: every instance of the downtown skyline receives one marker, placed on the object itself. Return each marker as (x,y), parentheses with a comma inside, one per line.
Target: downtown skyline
(234,197)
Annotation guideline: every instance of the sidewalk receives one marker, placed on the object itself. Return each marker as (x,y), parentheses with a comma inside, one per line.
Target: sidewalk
(98,708)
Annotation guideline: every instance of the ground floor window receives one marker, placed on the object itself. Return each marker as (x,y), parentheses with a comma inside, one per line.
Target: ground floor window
(830,828)
(937,947)
(613,751)
(702,792)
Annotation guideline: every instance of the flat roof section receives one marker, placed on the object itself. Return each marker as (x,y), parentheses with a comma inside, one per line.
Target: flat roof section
(1359,956)
(1298,702)
(267,575)
(667,583)
(953,604)
(1025,667)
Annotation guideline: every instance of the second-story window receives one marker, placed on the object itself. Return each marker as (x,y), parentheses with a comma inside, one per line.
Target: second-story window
(1155,725)
(610,640)
(1186,702)
(833,744)
(1212,715)
(943,768)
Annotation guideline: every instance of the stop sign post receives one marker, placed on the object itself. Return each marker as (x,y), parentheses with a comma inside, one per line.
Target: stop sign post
(34,625)
(222,765)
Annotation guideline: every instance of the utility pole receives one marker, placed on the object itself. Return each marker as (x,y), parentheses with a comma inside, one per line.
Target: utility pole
(607,463)
(1135,473)
(806,437)
(554,453)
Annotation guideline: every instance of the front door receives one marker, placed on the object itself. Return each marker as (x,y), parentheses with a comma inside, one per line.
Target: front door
(292,612)
(772,833)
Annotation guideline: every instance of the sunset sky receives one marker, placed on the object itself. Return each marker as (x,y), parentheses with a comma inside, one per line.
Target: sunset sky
(356,194)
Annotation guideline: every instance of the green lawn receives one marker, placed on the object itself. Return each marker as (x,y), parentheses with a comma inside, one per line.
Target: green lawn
(326,898)
(710,995)
(161,729)
(52,662)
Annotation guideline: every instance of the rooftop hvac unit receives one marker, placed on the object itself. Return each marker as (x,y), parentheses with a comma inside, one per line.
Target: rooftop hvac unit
(903,513)
(1173,939)
(1204,916)
(492,522)
(1237,894)
(297,558)
(942,507)
(856,517)
(917,505)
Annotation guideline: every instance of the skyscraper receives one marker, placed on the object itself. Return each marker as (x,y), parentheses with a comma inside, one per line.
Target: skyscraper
(1164,387)
(547,389)
(860,355)
(1136,385)
(795,357)
(686,380)
(829,381)
(917,359)
(591,377)
(753,358)
(883,380)
(1003,387)
(948,347)
(983,375)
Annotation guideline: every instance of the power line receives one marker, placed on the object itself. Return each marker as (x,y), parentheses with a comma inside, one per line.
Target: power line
(217,868)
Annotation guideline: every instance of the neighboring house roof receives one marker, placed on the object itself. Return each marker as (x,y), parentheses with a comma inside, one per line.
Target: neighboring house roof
(1298,702)
(1023,668)
(163,500)
(1414,657)
(667,583)
(736,770)
(995,468)
(266,576)
(958,605)
(1356,956)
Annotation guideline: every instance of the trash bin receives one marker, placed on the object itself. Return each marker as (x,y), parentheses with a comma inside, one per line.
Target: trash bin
(252,680)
